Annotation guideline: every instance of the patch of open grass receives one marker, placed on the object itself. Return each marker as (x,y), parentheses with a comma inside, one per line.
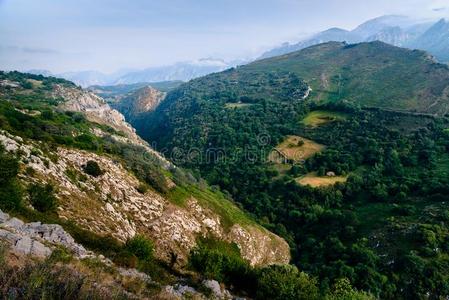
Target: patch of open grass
(320,117)
(319,181)
(237,105)
(295,149)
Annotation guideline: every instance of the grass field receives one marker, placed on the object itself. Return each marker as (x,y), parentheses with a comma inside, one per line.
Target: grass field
(295,148)
(318,181)
(237,105)
(320,117)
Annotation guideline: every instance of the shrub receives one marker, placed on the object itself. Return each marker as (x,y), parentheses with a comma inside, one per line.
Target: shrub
(222,261)
(92,168)
(142,188)
(11,195)
(141,247)
(284,282)
(342,290)
(42,197)
(9,167)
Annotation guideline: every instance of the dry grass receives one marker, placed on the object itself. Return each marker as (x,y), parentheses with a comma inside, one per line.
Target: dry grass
(295,148)
(321,117)
(35,83)
(319,181)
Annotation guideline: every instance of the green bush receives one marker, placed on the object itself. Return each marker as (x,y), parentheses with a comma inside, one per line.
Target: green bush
(11,196)
(342,290)
(92,168)
(9,167)
(284,282)
(141,247)
(42,197)
(222,261)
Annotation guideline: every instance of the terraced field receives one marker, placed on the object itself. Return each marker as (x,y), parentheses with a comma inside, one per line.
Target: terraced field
(294,149)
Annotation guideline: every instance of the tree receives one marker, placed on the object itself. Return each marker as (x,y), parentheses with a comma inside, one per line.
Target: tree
(42,197)
(342,290)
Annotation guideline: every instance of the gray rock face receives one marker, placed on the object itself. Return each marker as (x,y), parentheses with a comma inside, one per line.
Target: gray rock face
(55,234)
(180,291)
(13,223)
(35,238)
(25,245)
(216,289)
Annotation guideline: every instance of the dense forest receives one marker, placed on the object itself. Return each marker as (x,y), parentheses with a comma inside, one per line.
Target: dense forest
(385,229)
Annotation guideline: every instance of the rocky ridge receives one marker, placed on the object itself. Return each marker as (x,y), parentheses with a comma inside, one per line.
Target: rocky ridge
(140,101)
(97,110)
(111,205)
(37,239)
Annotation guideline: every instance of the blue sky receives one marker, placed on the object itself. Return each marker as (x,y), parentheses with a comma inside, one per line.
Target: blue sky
(63,35)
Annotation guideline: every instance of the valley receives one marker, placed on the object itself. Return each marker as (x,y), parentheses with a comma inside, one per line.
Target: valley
(373,147)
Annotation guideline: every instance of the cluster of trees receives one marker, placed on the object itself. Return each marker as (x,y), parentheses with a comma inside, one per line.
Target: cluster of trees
(222,261)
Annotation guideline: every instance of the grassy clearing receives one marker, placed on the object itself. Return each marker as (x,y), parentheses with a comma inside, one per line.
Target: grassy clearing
(35,83)
(321,117)
(319,181)
(294,148)
(237,105)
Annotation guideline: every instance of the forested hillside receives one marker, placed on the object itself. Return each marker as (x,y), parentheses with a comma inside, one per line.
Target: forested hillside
(67,158)
(357,188)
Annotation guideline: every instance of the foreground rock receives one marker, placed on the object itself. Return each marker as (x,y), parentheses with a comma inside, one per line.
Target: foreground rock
(36,239)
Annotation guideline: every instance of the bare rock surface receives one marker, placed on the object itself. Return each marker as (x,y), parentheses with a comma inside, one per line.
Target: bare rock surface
(97,110)
(36,239)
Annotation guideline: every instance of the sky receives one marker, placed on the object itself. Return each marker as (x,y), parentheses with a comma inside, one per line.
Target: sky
(113,35)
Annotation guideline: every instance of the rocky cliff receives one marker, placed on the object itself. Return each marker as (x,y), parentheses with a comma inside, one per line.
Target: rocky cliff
(110,204)
(98,111)
(140,101)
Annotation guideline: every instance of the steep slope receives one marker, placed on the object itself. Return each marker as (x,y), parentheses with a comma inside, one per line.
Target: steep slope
(391,35)
(134,190)
(140,101)
(435,40)
(376,25)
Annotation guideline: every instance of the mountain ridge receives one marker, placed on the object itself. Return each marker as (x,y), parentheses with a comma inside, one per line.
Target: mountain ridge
(396,30)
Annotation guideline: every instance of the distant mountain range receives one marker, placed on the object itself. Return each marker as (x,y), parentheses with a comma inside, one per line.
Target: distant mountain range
(401,31)
(395,30)
(181,71)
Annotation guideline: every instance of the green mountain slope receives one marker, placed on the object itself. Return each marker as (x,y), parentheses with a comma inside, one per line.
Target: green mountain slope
(369,74)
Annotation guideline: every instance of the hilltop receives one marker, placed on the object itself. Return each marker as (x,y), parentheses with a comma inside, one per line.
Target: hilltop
(371,74)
